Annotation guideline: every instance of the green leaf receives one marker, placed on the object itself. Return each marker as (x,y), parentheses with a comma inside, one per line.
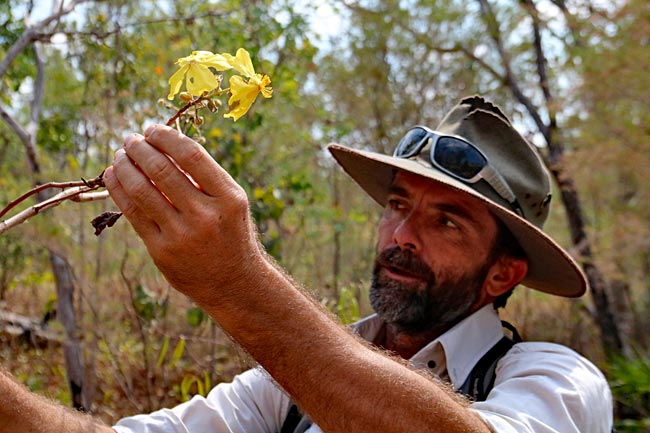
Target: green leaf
(163,352)
(178,351)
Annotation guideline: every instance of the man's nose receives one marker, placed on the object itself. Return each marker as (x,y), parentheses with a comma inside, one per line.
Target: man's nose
(406,234)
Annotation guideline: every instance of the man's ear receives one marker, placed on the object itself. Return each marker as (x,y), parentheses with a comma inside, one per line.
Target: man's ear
(504,274)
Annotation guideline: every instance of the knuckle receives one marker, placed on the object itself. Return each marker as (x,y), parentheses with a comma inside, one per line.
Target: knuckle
(141,192)
(129,210)
(239,200)
(160,168)
(194,155)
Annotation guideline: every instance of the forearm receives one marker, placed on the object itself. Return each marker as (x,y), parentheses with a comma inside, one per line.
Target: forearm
(25,412)
(342,383)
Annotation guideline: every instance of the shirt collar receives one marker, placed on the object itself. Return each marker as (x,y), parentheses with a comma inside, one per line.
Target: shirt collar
(452,355)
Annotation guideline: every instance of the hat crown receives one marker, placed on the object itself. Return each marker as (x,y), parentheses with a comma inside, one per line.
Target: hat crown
(512,156)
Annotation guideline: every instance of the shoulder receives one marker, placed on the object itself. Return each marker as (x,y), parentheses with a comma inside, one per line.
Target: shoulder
(557,366)
(548,385)
(549,358)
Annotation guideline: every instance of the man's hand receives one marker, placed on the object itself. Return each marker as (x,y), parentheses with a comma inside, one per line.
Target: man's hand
(192,216)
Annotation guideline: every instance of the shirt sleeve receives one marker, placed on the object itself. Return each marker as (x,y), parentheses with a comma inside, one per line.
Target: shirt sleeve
(547,388)
(252,402)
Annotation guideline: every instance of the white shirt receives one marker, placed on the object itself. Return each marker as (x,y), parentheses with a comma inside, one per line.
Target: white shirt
(539,387)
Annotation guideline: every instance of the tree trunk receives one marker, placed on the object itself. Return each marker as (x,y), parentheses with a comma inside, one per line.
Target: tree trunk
(66,315)
(613,340)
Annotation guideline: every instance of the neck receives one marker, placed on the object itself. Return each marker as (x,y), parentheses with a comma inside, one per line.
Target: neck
(408,343)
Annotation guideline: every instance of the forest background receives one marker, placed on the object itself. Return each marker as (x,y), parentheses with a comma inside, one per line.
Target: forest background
(90,322)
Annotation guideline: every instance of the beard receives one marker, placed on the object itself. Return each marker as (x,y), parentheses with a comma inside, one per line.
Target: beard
(422,305)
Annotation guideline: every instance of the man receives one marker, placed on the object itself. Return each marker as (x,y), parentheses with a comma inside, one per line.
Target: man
(463,211)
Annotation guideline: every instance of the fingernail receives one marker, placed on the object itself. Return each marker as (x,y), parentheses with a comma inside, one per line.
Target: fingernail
(150,130)
(121,153)
(109,176)
(131,138)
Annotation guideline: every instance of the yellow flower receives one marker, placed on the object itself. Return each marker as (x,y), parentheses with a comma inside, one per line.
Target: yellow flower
(241,62)
(244,90)
(195,69)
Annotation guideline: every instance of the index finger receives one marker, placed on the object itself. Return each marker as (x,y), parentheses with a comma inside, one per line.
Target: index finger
(191,157)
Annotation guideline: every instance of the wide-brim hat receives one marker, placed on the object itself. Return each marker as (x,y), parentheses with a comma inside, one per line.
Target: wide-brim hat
(550,268)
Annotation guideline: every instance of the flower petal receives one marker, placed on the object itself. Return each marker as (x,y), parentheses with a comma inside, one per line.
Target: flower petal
(243,95)
(200,79)
(242,63)
(176,81)
(219,62)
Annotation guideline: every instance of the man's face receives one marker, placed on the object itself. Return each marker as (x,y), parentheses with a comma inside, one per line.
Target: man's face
(432,250)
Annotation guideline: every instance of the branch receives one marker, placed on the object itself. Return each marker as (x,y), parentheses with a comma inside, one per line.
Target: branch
(91,184)
(78,192)
(22,134)
(59,14)
(103,34)
(458,48)
(31,34)
(541,68)
(39,91)
(511,80)
(570,21)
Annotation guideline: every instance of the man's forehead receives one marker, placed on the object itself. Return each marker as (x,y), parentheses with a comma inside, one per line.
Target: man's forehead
(407,184)
(404,180)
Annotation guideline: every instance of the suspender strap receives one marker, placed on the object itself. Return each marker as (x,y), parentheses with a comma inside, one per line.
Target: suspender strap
(481,379)
(292,420)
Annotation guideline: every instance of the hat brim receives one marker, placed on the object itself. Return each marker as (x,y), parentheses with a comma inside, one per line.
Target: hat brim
(550,268)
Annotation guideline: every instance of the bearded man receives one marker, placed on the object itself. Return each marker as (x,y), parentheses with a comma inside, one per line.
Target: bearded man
(464,207)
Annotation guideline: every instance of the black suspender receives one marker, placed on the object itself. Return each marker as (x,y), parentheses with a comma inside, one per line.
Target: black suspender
(480,380)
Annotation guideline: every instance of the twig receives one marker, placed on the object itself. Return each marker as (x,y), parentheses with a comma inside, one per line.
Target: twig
(201,102)
(67,194)
(176,116)
(92,183)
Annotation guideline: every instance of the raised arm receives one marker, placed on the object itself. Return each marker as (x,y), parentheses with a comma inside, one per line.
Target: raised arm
(198,231)
(25,412)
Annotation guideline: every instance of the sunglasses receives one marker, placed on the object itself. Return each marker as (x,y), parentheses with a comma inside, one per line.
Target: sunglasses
(458,158)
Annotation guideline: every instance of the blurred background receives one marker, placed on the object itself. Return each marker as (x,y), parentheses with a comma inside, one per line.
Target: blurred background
(90,322)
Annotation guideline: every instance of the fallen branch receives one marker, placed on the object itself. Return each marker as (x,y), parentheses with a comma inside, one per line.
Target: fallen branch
(28,328)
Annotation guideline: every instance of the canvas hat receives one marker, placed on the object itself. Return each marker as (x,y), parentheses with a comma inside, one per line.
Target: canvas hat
(550,268)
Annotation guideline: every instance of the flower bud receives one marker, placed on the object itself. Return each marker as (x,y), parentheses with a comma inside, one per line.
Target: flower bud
(185,97)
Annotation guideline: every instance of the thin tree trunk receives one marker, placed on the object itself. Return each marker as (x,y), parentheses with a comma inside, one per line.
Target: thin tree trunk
(65,313)
(614,343)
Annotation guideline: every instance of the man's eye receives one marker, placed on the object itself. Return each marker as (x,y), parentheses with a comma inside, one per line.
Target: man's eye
(395,204)
(447,222)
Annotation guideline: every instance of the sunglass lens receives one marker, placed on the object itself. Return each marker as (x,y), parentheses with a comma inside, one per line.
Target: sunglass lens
(458,157)
(409,145)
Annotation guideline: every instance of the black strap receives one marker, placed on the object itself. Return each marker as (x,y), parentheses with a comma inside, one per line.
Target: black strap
(292,420)
(480,380)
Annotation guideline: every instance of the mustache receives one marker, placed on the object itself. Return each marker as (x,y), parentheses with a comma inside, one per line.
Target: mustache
(405,261)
